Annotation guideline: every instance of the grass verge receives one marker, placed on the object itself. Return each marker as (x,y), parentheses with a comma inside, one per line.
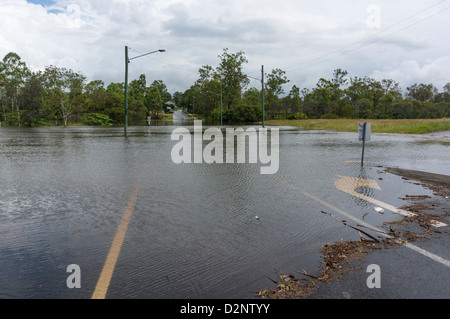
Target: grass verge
(403,126)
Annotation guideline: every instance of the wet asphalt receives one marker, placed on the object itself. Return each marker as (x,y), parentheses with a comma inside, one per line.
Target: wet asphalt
(404,272)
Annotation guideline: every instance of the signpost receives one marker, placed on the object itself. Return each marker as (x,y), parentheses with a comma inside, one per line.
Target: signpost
(364,134)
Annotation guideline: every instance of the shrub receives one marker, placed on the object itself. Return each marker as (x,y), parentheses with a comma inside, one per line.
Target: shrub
(97,119)
(297,116)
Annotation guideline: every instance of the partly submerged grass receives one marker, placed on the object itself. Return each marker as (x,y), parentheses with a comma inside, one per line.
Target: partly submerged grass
(403,126)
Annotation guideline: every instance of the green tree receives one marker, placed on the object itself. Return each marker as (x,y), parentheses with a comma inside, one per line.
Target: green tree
(95,97)
(321,99)
(338,81)
(365,94)
(115,103)
(421,92)
(231,74)
(154,102)
(63,90)
(295,99)
(97,119)
(31,99)
(137,110)
(162,87)
(13,74)
(177,97)
(446,93)
(275,82)
(209,88)
(274,88)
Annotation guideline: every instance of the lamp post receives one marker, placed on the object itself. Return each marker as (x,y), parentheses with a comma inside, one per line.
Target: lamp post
(262,94)
(127,60)
(221,102)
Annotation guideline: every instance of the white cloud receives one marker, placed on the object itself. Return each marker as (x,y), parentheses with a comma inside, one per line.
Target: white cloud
(411,71)
(307,39)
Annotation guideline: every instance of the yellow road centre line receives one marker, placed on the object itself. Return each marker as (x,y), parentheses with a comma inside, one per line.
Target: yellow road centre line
(110,263)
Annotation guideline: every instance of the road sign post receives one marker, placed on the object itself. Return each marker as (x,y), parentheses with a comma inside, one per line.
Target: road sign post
(364,134)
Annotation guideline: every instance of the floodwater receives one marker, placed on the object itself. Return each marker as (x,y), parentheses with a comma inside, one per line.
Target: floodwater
(193,231)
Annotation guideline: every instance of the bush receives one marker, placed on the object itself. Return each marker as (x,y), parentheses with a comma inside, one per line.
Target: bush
(297,116)
(97,119)
(15,118)
(42,122)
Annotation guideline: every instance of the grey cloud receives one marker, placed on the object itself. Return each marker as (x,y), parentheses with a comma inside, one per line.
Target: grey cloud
(183,25)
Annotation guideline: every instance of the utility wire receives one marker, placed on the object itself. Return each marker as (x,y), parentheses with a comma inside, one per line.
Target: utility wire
(367,43)
(367,38)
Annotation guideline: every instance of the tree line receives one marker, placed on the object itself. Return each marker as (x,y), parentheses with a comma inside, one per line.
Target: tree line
(227,87)
(60,96)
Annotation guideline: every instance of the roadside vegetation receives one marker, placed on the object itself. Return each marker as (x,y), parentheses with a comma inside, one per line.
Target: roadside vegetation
(403,126)
(60,96)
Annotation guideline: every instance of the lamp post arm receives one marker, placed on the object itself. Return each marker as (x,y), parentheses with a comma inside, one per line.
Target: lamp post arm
(146,54)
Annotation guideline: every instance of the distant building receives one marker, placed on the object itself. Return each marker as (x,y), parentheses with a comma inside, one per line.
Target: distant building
(169,107)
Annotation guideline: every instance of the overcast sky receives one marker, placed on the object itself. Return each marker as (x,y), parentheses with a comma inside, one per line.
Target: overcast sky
(406,41)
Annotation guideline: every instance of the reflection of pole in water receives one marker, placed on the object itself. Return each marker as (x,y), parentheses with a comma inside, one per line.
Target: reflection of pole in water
(365,190)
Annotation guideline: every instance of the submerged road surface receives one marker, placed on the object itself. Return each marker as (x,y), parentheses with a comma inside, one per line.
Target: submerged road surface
(140,226)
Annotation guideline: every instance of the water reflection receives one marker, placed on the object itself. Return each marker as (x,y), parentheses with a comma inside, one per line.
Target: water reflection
(364,190)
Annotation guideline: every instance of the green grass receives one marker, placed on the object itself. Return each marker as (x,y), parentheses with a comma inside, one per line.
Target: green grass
(406,126)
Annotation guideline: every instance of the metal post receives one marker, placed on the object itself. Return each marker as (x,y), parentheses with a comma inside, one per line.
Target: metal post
(126,90)
(262,92)
(364,143)
(221,102)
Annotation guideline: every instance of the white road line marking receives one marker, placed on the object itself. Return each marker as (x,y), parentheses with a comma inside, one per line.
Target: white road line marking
(349,184)
(434,257)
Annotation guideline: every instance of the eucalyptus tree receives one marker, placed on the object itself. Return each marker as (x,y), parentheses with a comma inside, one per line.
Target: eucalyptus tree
(274,88)
(95,97)
(209,89)
(63,91)
(31,99)
(137,109)
(421,92)
(115,102)
(163,91)
(231,74)
(154,101)
(13,74)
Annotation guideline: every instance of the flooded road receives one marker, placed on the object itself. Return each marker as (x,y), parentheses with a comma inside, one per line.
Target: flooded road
(192,231)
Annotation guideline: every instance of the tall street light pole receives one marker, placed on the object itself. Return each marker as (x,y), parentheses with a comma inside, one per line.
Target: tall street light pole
(262,94)
(127,61)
